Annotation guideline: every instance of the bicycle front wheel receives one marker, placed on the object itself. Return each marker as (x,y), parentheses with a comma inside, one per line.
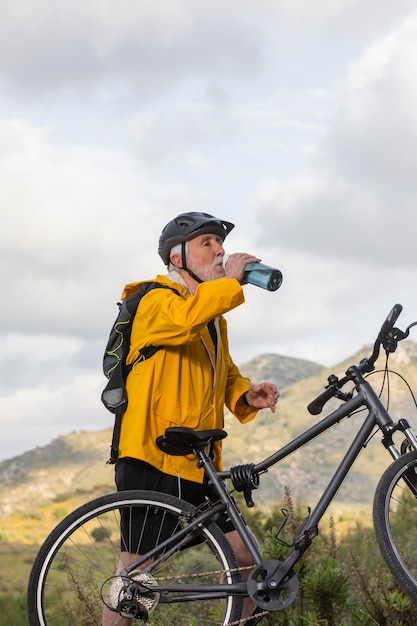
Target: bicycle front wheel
(395,521)
(73,575)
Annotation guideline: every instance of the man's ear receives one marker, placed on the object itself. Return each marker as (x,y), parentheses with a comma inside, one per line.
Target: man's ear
(176,260)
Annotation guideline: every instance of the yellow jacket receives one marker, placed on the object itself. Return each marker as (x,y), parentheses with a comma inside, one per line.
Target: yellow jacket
(184,384)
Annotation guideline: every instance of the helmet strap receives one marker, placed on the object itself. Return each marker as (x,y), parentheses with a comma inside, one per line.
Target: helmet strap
(184,264)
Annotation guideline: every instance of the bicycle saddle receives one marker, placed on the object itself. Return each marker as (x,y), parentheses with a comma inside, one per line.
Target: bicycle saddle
(180,441)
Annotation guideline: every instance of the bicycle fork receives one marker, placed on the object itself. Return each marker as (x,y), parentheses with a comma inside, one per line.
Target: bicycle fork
(390,429)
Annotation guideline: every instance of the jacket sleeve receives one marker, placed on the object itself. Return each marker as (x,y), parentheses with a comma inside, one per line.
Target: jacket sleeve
(165,319)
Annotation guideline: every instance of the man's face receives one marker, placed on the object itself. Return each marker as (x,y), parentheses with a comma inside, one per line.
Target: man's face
(205,257)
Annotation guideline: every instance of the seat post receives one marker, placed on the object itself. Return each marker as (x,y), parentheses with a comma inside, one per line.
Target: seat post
(225,497)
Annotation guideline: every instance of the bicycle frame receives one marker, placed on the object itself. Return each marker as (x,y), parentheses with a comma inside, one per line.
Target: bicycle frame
(377,416)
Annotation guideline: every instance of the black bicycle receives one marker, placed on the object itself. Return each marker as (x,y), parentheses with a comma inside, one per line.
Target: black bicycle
(188,574)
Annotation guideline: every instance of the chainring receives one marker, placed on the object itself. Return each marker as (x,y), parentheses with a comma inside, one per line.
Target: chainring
(268,594)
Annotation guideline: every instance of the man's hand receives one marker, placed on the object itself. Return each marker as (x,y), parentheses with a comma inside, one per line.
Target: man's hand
(236,263)
(263,396)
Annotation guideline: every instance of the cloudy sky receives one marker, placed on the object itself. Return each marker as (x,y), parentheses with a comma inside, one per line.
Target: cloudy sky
(296,120)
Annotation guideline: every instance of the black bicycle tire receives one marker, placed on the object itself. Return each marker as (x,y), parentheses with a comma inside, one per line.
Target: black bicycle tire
(391,491)
(110,503)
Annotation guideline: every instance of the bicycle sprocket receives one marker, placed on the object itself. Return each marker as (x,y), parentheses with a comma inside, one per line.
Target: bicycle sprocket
(130,595)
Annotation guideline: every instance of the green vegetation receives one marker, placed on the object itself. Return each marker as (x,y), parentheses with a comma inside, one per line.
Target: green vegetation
(13,610)
(343,581)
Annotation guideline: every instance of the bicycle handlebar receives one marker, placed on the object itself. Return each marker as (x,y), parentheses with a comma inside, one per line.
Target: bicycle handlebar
(367,365)
(392,317)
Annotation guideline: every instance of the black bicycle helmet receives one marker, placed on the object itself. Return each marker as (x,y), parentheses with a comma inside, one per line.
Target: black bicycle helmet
(186,226)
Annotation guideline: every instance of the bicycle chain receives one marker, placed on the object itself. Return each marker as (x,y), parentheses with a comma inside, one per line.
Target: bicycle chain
(242,620)
(210,573)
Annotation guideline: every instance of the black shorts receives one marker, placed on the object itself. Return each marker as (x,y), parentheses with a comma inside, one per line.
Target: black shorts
(135,474)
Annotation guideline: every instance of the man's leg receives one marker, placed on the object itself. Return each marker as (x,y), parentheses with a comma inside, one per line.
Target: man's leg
(244,559)
(136,474)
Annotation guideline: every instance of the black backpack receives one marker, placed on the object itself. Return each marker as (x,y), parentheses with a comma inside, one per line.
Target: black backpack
(114,395)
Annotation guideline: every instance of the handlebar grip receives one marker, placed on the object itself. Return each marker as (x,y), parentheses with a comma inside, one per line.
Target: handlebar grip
(392,317)
(316,406)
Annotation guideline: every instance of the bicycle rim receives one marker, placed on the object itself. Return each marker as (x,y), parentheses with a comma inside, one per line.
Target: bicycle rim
(395,521)
(76,565)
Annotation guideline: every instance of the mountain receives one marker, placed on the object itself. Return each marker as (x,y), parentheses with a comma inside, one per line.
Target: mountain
(280,369)
(40,486)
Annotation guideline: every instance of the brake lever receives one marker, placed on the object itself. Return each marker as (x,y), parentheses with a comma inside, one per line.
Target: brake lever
(391,339)
(407,330)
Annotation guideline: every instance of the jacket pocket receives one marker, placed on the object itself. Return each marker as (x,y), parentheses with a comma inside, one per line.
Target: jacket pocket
(175,413)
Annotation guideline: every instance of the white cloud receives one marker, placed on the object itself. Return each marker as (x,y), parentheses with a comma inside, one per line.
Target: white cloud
(33,417)
(147,47)
(356,198)
(70,231)
(376,134)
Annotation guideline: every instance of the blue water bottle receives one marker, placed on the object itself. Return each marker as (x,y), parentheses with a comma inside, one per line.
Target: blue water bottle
(263,276)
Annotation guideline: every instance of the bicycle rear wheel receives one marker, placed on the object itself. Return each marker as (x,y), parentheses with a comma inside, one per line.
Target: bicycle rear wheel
(395,521)
(74,570)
